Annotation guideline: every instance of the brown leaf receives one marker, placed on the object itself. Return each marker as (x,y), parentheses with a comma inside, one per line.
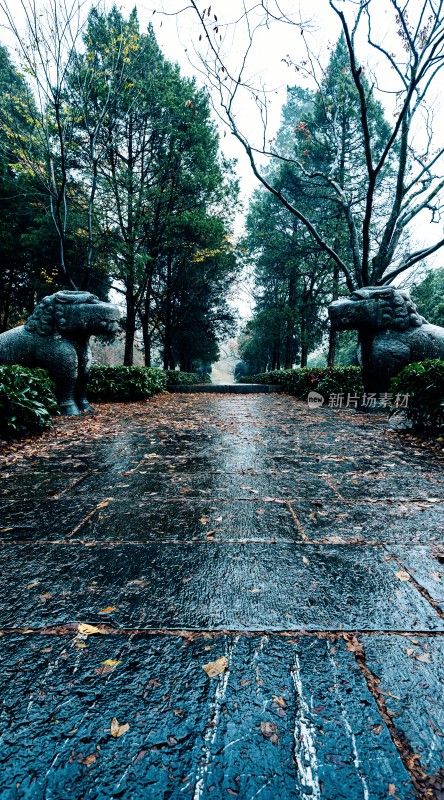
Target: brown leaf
(377,729)
(391,789)
(269,731)
(88,761)
(402,575)
(117,730)
(107,610)
(214,668)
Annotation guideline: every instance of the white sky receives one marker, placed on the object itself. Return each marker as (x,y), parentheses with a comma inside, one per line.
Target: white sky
(178,36)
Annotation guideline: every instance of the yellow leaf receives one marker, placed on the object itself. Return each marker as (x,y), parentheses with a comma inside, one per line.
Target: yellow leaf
(31,585)
(152,455)
(87,630)
(402,575)
(279,700)
(103,504)
(117,729)
(214,668)
(107,610)
(111,662)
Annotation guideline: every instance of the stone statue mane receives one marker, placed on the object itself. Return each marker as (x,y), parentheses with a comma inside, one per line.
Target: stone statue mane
(392,333)
(56,337)
(49,316)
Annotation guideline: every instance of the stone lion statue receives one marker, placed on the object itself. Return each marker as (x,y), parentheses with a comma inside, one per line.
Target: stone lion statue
(392,333)
(56,337)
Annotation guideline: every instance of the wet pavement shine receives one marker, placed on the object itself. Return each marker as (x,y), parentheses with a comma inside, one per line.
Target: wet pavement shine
(213,596)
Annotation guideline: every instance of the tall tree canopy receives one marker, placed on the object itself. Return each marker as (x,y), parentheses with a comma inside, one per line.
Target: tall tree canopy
(399,165)
(129,159)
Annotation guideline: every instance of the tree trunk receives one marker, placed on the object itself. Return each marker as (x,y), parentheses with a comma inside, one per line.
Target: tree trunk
(130,330)
(168,360)
(332,336)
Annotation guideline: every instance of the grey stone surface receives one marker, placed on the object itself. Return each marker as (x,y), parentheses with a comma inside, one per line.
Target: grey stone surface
(56,337)
(392,333)
(411,671)
(210,586)
(190,736)
(324,604)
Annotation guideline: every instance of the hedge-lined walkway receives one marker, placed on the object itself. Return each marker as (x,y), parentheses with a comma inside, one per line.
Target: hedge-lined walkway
(294,555)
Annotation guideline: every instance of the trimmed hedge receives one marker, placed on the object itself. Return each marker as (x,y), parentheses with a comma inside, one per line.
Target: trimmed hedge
(123,384)
(325,380)
(423,382)
(176,378)
(27,401)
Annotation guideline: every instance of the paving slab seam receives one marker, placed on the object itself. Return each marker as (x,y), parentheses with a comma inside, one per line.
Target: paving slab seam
(333,634)
(68,539)
(416,584)
(419,778)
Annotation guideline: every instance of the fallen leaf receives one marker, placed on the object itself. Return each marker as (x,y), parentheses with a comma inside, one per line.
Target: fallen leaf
(377,729)
(424,658)
(410,651)
(392,789)
(279,700)
(103,504)
(88,761)
(107,610)
(269,731)
(214,668)
(402,575)
(117,730)
(87,630)
(305,560)
(203,520)
(32,585)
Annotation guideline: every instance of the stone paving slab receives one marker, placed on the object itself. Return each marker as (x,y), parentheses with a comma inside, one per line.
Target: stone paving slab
(288,719)
(145,484)
(210,586)
(185,521)
(36,520)
(411,674)
(425,564)
(380,521)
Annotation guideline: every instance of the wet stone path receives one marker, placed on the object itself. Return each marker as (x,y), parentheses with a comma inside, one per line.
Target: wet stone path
(301,550)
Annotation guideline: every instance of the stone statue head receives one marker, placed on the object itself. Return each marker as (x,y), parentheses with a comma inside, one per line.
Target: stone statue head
(73,314)
(375,308)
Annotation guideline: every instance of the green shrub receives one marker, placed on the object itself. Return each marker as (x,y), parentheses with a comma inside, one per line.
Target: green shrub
(325,380)
(27,401)
(423,382)
(176,378)
(123,384)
